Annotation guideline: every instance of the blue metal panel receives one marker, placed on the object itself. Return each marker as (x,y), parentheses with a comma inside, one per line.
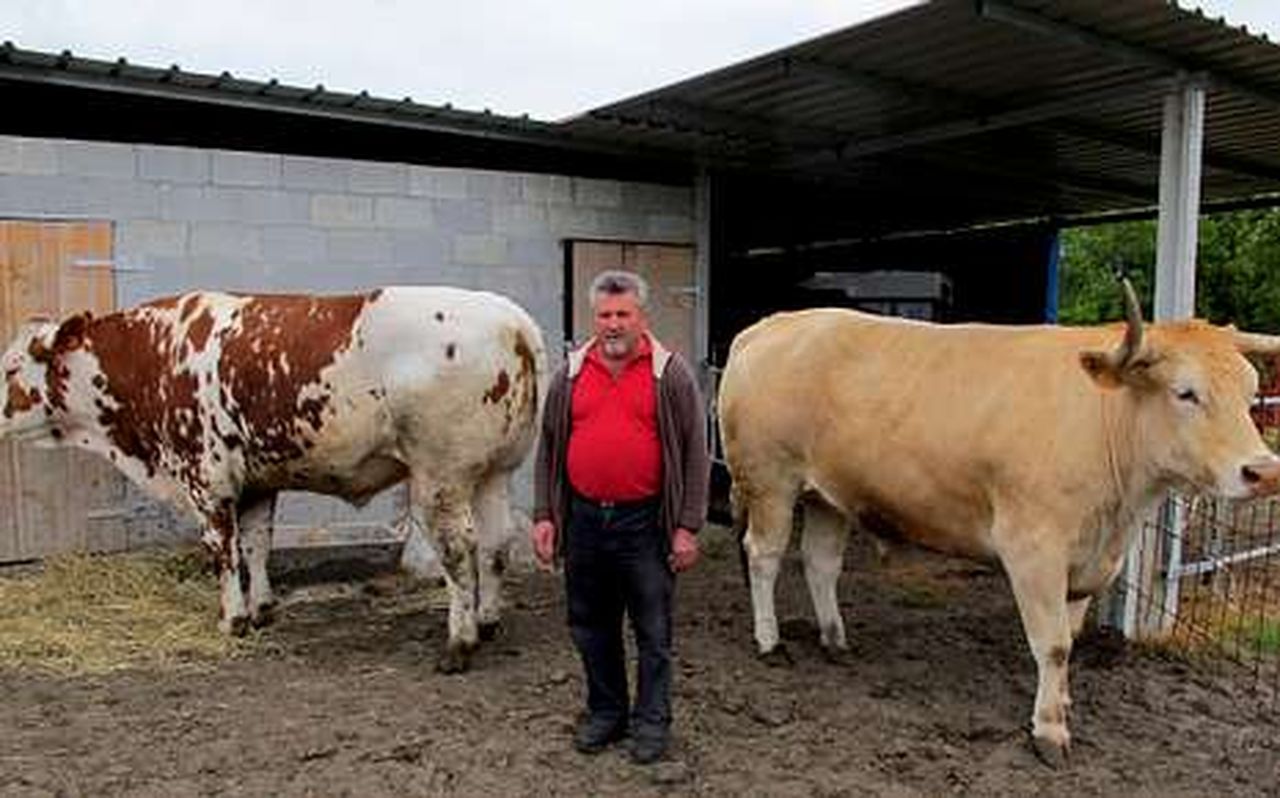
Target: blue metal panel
(1051,277)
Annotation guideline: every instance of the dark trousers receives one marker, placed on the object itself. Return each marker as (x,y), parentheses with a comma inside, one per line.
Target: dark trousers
(616,562)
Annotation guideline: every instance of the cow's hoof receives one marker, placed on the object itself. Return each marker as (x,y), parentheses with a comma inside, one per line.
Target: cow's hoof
(1049,752)
(489,630)
(235,627)
(777,657)
(837,655)
(455,659)
(264,617)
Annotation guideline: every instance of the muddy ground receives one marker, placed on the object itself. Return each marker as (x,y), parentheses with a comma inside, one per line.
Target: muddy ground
(340,698)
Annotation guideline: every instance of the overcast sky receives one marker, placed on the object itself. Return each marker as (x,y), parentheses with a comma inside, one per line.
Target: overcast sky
(547,58)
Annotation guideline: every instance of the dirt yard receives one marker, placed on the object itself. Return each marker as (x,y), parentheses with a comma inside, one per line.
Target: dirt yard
(340,698)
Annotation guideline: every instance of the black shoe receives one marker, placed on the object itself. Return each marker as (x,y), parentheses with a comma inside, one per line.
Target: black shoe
(595,734)
(647,748)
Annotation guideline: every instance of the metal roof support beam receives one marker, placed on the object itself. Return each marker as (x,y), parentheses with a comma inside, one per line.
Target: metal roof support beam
(1033,21)
(1214,159)
(1181,144)
(982,123)
(1181,141)
(702,210)
(977,119)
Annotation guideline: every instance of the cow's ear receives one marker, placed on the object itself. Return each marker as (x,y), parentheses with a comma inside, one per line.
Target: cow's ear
(71,332)
(1137,372)
(1101,368)
(41,349)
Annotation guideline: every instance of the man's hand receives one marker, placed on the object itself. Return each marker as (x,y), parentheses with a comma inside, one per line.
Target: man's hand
(684,550)
(543,537)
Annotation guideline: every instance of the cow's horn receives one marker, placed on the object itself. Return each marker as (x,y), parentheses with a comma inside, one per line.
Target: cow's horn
(1132,343)
(1257,343)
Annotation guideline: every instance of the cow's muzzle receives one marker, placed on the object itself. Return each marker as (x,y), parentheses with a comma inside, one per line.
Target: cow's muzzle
(1262,477)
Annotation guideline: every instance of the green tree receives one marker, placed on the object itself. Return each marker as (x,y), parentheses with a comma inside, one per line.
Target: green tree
(1237,275)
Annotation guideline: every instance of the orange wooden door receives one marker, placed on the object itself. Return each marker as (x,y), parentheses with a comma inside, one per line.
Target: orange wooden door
(54,500)
(667,268)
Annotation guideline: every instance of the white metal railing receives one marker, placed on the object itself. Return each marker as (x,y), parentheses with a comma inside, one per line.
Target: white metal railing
(714,444)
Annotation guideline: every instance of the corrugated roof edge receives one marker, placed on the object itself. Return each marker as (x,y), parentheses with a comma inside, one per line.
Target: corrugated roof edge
(125,72)
(1221,21)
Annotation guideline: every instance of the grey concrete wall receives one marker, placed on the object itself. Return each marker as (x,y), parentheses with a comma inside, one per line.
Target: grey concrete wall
(189,218)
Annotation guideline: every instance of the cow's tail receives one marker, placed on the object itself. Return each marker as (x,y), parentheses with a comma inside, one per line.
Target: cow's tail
(738,512)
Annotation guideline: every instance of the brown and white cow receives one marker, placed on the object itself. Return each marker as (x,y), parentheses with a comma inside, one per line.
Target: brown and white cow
(219,401)
(1038,447)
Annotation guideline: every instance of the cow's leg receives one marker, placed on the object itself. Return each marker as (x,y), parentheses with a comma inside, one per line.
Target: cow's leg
(257,516)
(1077,609)
(222,539)
(768,532)
(493,528)
(1039,580)
(444,511)
(825,533)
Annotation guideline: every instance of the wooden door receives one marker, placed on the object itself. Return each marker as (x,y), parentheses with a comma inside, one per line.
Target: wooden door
(55,500)
(669,270)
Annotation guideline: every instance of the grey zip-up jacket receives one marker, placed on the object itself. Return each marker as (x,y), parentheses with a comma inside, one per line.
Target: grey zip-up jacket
(686,465)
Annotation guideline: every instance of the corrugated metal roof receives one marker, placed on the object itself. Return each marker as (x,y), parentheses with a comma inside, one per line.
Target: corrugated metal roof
(966,112)
(947,113)
(66,68)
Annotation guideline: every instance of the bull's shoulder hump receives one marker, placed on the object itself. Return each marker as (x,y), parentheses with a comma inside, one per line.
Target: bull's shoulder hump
(446,300)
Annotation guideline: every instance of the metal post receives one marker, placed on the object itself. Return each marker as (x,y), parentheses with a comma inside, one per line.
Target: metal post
(1175,295)
(1181,144)
(702,275)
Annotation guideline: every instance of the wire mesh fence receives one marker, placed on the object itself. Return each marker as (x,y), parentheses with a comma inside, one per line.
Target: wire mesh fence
(1205,575)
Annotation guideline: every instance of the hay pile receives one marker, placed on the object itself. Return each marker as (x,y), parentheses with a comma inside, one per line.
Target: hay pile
(82,614)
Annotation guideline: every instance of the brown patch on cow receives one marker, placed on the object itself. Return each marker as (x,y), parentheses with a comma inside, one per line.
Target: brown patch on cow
(304,333)
(499,388)
(526,380)
(1058,656)
(222,520)
(451,351)
(189,306)
(156,416)
(20,400)
(198,332)
(69,337)
(528,363)
(163,303)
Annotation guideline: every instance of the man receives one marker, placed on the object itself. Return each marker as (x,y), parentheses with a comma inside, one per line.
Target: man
(621,488)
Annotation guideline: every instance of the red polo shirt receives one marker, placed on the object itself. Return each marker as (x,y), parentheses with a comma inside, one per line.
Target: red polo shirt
(614,450)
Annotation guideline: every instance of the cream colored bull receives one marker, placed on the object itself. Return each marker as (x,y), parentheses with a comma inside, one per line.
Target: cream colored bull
(1038,447)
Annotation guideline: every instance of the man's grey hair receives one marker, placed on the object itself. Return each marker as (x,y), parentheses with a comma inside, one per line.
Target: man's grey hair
(616,281)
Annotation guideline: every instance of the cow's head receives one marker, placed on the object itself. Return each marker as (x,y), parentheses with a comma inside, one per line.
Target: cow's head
(28,406)
(1192,390)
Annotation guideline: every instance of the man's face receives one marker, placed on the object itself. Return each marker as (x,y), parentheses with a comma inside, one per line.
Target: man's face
(619,323)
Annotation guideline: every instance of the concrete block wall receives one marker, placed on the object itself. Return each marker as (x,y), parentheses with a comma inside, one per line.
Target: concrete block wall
(191,218)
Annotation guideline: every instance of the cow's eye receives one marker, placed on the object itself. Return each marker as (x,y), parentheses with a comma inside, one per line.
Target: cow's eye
(1188,395)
